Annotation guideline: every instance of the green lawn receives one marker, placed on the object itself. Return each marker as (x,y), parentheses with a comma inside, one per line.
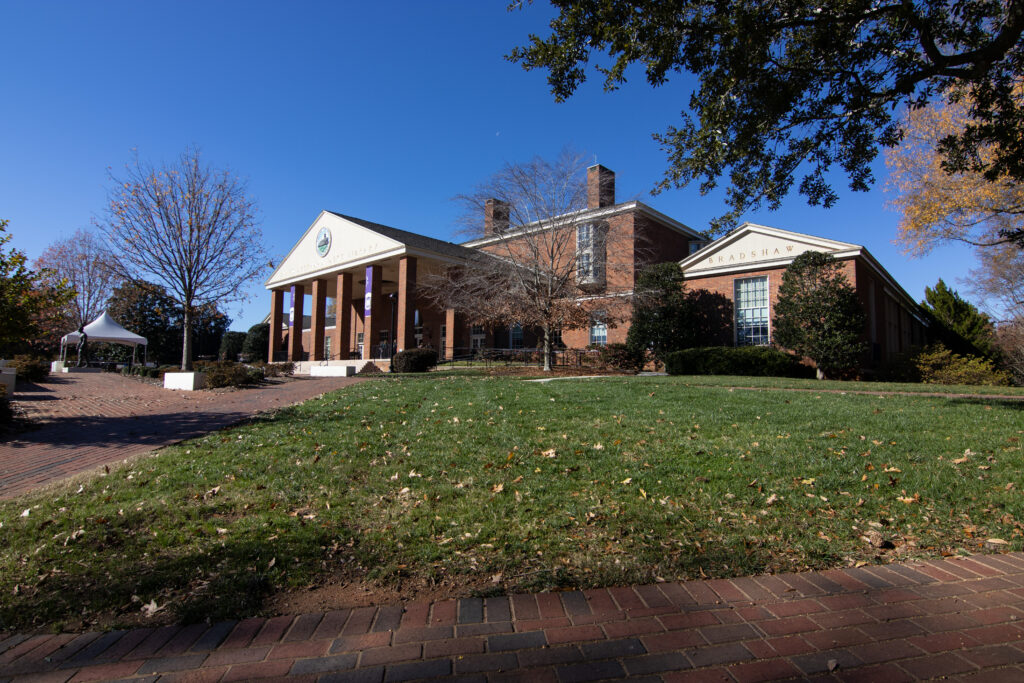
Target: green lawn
(839,385)
(500,484)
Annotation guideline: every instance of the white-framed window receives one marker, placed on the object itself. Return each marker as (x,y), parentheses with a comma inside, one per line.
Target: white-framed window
(444,339)
(417,327)
(584,266)
(590,253)
(515,336)
(327,346)
(751,303)
(585,237)
(477,336)
(598,329)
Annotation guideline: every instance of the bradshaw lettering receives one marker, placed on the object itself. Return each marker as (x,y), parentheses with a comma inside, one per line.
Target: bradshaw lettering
(753,254)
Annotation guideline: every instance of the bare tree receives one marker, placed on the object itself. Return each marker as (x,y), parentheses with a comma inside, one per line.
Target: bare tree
(188,227)
(83,261)
(542,263)
(999,282)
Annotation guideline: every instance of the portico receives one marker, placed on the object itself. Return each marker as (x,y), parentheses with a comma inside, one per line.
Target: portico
(347,291)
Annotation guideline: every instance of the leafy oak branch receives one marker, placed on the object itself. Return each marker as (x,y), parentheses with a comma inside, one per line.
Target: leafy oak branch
(788,91)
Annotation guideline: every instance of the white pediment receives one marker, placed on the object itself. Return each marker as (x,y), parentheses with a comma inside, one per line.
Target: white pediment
(758,246)
(329,245)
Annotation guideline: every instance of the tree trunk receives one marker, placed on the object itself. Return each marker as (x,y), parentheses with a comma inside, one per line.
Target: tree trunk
(547,349)
(186,346)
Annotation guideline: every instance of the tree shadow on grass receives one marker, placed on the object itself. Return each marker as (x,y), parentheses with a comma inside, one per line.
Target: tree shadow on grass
(216,581)
(1007,403)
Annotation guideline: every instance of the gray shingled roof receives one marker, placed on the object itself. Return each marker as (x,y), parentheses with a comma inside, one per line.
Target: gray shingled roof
(413,239)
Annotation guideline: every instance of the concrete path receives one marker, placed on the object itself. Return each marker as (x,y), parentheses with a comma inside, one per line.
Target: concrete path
(88,420)
(958,619)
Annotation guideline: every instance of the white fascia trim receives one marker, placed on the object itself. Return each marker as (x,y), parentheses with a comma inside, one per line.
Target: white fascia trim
(594,297)
(421,253)
(671,222)
(589,215)
(908,302)
(735,235)
(760,265)
(295,246)
(337,268)
(538,226)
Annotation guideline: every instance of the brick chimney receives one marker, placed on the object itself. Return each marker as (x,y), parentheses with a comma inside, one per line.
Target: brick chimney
(496,213)
(600,187)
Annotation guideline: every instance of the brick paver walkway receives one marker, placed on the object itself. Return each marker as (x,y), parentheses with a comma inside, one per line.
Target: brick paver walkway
(93,419)
(961,619)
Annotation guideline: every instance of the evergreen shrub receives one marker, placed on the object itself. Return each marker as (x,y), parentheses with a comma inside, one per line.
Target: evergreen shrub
(754,361)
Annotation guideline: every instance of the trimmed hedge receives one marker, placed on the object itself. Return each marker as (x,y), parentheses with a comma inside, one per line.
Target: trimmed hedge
(753,361)
(414,360)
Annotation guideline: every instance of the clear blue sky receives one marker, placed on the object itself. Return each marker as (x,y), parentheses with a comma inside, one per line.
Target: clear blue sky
(380,110)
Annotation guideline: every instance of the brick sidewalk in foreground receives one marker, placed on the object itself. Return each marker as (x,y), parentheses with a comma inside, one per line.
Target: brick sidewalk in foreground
(962,619)
(92,419)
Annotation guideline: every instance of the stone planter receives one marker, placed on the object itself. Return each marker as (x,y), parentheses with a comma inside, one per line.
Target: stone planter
(186,381)
(332,371)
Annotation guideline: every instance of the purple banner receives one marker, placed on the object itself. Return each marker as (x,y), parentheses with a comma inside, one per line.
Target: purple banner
(367,299)
(291,309)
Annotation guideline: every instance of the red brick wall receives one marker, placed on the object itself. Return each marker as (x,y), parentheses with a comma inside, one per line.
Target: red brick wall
(723,284)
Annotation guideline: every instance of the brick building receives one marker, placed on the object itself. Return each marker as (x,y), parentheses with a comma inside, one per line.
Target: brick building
(746,266)
(351,284)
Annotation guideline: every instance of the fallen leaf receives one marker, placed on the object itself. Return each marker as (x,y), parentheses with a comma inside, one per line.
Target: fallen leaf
(626,480)
(497,488)
(151,609)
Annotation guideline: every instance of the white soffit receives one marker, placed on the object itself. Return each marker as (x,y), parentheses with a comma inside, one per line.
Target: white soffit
(758,246)
(350,244)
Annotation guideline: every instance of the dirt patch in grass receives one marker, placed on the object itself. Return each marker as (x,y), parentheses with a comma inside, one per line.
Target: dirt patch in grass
(339,593)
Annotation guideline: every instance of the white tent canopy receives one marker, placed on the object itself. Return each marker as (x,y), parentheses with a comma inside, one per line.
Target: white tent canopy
(102,329)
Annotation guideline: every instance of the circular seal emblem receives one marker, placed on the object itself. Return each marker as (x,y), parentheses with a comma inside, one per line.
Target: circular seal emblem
(323,242)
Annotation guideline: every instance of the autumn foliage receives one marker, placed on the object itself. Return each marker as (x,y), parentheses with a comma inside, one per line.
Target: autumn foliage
(938,206)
